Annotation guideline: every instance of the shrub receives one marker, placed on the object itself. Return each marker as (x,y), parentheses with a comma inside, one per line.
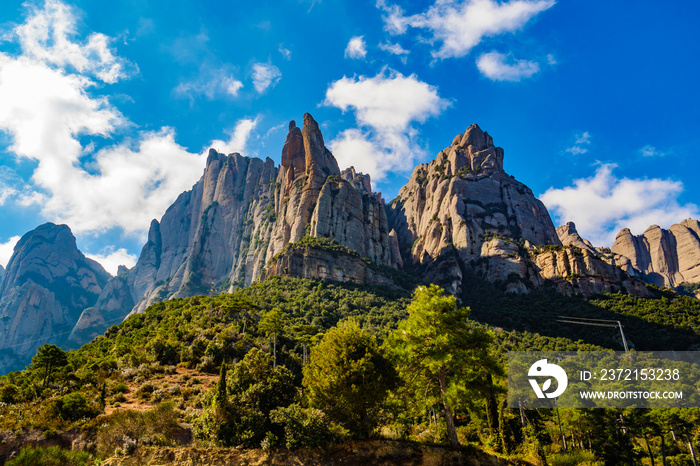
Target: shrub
(75,406)
(49,456)
(303,427)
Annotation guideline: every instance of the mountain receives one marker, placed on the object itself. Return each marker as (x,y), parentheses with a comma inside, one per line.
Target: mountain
(47,285)
(463,213)
(663,257)
(247,219)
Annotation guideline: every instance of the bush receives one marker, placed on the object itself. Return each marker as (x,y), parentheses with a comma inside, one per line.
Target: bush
(303,427)
(49,456)
(75,406)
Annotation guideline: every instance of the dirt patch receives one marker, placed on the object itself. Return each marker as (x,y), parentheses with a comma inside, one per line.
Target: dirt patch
(182,377)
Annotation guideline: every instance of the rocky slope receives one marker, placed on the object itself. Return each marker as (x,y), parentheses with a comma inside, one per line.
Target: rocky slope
(663,257)
(461,212)
(47,284)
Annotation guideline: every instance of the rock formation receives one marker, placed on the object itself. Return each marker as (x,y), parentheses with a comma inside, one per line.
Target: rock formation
(47,284)
(462,212)
(663,257)
(246,219)
(238,219)
(569,237)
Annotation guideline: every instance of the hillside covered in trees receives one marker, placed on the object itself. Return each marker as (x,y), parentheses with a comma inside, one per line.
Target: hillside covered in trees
(291,363)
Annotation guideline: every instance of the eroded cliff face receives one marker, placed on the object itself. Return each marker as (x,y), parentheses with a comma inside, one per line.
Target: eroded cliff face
(462,212)
(663,257)
(47,284)
(313,198)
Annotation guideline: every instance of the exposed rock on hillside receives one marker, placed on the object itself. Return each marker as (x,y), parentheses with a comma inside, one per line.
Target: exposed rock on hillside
(463,212)
(313,198)
(664,257)
(569,237)
(47,284)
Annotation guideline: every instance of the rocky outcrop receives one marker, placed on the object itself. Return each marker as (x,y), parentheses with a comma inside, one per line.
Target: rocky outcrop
(663,257)
(462,212)
(213,238)
(314,198)
(581,271)
(47,285)
(460,202)
(569,237)
(303,260)
(2,273)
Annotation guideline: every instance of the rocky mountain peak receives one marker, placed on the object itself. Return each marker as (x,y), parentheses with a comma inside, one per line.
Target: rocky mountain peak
(570,237)
(664,257)
(472,152)
(47,284)
(358,180)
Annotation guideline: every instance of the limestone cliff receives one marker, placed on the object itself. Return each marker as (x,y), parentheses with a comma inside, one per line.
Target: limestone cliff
(314,199)
(47,284)
(461,212)
(663,257)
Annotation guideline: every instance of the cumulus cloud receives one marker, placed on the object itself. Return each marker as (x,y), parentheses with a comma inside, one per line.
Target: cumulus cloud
(604,204)
(265,76)
(50,112)
(6,250)
(494,66)
(111,258)
(581,143)
(238,139)
(385,107)
(47,37)
(458,26)
(356,48)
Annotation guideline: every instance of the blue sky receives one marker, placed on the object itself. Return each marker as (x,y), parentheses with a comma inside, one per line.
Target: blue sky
(107,108)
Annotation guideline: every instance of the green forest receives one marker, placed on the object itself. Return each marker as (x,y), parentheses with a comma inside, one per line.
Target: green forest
(294,364)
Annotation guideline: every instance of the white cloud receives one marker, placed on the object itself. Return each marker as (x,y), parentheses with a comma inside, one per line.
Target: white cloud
(651,151)
(394,49)
(460,26)
(265,76)
(604,204)
(386,101)
(581,143)
(46,37)
(6,250)
(385,106)
(238,137)
(356,48)
(286,53)
(47,110)
(493,65)
(211,84)
(111,258)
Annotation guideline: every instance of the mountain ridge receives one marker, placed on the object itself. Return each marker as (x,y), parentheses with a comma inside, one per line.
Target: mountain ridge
(461,213)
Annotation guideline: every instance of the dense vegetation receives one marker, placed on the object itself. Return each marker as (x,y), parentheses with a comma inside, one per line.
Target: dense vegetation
(289,362)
